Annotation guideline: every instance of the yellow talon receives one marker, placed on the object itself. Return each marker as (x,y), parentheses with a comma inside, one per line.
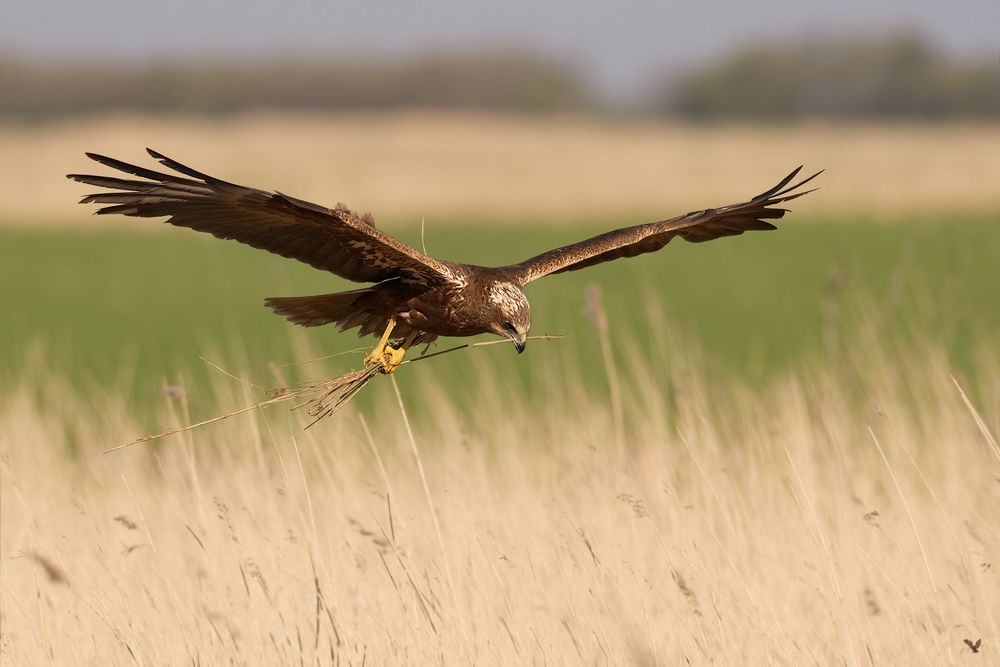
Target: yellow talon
(393,358)
(388,357)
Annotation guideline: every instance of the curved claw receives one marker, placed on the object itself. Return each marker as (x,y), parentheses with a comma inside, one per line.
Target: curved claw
(392,359)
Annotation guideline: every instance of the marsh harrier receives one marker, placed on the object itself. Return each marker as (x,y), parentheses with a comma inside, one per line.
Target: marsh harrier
(414,296)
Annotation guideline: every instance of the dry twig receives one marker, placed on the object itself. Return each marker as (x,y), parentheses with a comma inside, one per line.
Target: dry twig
(321,399)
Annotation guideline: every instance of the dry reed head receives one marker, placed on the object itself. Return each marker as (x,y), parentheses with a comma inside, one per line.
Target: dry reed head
(53,572)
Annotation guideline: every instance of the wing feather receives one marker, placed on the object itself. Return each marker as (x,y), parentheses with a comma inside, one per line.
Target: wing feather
(695,227)
(335,240)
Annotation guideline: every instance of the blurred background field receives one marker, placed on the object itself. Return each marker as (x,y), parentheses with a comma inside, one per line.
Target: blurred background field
(783,449)
(467,169)
(904,226)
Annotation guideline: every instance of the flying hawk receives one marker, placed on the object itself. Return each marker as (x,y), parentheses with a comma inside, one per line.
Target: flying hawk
(415,297)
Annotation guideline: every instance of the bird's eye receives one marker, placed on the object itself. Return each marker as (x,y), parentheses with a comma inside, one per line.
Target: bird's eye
(508,325)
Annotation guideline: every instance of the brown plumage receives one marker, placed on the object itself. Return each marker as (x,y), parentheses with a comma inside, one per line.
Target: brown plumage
(420,295)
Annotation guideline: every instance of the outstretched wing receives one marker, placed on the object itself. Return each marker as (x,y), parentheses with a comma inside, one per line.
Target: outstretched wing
(335,240)
(696,227)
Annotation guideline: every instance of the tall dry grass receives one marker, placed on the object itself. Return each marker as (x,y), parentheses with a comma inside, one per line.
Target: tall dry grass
(468,167)
(839,515)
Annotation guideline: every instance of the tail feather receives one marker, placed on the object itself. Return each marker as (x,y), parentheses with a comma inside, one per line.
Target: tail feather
(314,311)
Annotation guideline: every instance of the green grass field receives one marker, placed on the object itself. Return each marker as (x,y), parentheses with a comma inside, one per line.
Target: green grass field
(134,307)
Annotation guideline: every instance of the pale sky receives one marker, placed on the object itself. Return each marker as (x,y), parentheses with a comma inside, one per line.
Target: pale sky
(618,44)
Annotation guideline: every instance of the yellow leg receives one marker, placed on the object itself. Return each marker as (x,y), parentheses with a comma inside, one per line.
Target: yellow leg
(378,354)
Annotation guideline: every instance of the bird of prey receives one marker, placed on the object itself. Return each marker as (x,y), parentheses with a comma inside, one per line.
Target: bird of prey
(414,297)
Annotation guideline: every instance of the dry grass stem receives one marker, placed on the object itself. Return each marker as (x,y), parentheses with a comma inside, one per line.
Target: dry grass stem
(331,395)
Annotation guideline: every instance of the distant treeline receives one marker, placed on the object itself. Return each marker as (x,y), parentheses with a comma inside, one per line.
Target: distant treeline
(889,77)
(897,76)
(488,80)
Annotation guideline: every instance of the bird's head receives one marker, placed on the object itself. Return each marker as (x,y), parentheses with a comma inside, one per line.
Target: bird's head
(510,314)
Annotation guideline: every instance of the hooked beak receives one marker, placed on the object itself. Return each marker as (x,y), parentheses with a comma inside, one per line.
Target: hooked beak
(519,340)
